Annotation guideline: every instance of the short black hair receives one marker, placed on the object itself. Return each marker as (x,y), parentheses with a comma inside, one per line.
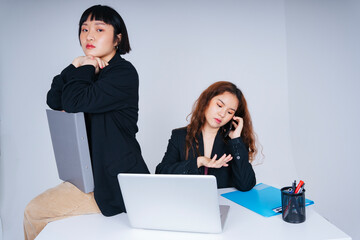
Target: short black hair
(109,16)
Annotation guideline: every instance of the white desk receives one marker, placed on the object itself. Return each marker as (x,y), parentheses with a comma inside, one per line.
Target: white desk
(241,223)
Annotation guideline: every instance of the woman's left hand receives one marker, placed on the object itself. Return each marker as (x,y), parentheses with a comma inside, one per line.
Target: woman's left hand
(237,127)
(98,63)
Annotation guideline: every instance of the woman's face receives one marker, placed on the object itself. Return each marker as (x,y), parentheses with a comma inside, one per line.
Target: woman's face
(221,109)
(97,39)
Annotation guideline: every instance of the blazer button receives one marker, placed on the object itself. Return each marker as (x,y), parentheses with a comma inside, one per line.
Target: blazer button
(238,157)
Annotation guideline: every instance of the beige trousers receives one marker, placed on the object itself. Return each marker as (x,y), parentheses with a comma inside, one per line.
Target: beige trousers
(62,201)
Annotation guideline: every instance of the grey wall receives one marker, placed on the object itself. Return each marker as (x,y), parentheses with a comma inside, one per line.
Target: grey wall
(179,48)
(323,71)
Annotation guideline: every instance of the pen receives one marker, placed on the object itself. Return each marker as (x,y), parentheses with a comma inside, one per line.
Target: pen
(299,186)
(286,211)
(294,185)
(302,188)
(278,209)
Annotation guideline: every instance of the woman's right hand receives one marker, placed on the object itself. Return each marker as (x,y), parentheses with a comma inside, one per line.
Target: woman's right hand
(213,163)
(98,63)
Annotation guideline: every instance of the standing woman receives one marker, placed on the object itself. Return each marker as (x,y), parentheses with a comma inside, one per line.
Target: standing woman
(219,140)
(105,87)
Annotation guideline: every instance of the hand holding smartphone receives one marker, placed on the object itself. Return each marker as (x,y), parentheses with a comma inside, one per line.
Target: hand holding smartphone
(234,127)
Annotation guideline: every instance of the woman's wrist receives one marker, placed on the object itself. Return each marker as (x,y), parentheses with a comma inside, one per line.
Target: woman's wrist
(85,60)
(76,63)
(233,137)
(199,162)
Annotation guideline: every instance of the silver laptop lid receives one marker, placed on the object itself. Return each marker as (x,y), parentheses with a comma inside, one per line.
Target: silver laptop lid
(71,148)
(171,202)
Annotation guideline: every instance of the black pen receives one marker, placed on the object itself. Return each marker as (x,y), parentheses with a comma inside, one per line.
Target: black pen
(294,186)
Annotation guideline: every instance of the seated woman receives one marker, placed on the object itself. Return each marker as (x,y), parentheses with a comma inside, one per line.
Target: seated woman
(219,140)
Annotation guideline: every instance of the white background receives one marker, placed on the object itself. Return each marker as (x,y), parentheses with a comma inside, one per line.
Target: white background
(296,62)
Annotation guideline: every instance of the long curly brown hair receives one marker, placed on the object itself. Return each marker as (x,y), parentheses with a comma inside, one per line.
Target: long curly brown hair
(198,117)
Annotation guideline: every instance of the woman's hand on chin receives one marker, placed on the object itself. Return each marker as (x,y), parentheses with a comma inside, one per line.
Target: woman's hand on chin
(98,63)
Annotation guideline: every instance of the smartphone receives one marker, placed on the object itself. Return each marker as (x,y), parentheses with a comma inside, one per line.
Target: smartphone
(228,127)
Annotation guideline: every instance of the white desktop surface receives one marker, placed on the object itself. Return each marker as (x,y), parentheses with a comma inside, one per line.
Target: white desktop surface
(241,223)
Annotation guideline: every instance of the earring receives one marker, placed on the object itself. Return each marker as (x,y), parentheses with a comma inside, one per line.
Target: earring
(116,47)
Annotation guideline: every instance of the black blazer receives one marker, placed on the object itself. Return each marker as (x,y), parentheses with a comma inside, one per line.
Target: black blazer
(238,174)
(110,103)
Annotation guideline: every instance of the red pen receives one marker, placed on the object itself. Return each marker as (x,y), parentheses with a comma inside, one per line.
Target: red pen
(299,186)
(302,188)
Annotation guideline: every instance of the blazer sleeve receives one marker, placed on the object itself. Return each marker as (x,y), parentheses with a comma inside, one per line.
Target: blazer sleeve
(53,98)
(174,160)
(116,88)
(243,175)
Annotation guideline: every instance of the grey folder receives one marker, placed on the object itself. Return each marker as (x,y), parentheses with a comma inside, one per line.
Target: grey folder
(71,148)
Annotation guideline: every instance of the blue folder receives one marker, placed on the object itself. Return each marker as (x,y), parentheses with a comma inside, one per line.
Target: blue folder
(262,199)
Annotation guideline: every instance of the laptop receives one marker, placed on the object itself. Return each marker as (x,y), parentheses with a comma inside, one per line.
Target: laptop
(173,202)
(71,148)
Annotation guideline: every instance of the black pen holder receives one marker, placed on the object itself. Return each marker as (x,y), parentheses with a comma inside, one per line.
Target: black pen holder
(293,206)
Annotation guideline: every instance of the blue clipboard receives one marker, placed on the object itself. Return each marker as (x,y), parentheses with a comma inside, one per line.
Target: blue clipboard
(262,199)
